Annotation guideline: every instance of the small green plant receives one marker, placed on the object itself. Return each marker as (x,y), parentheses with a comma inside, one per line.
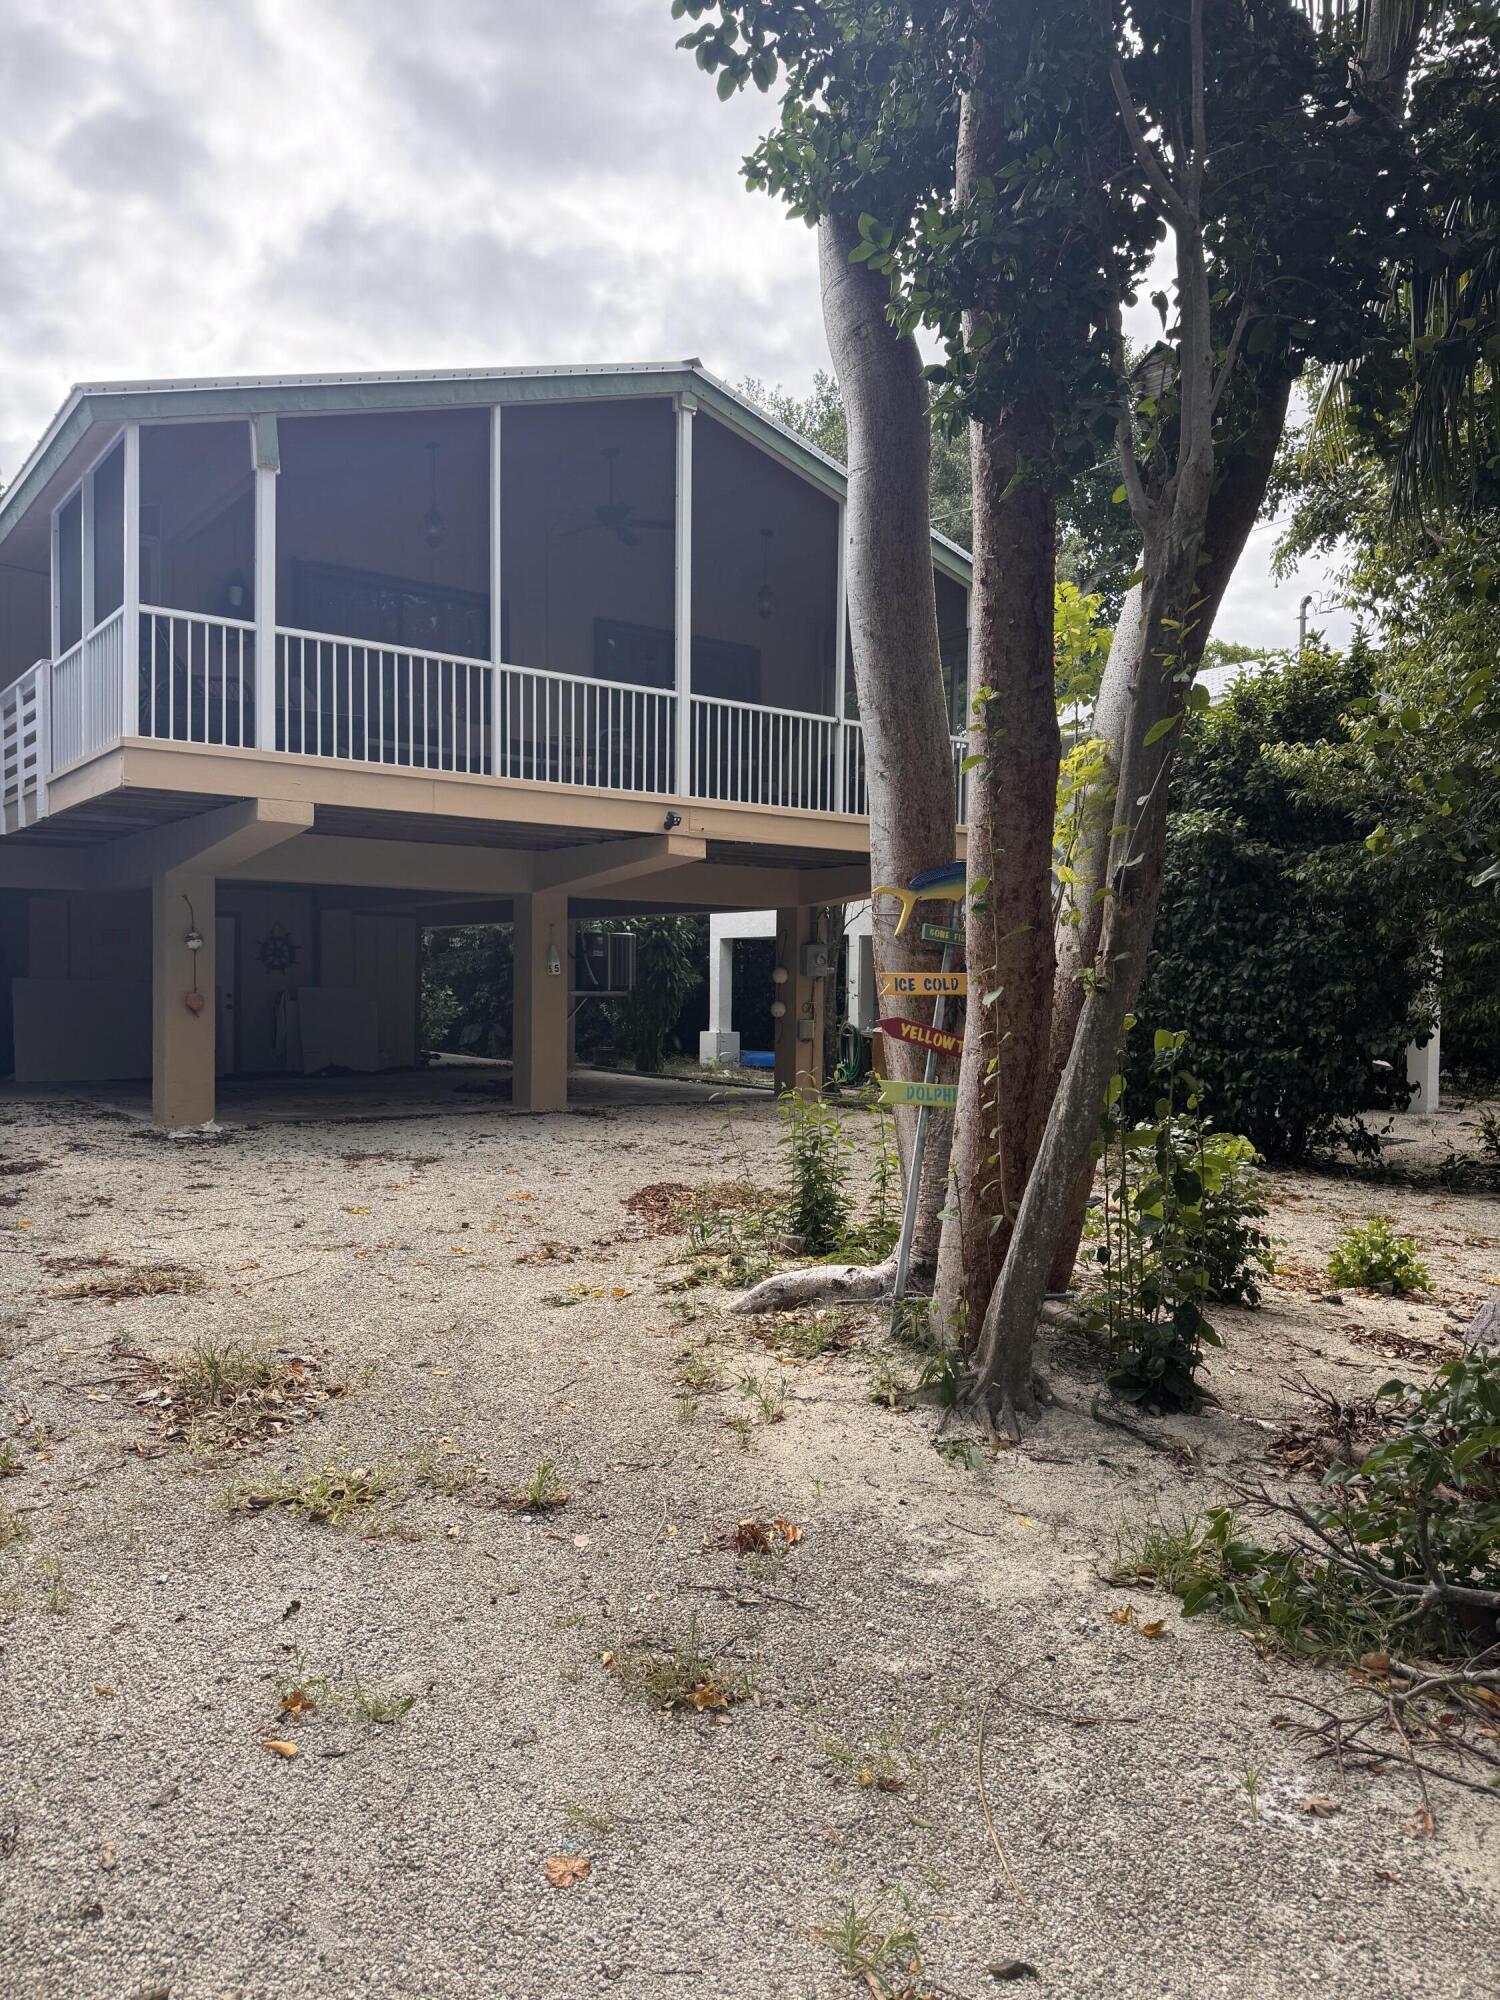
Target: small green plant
(1374,1256)
(743,1427)
(674,1675)
(380,1705)
(874,1238)
(871,1947)
(14,1527)
(880,1763)
(697,1372)
(766,1393)
(889,1385)
(543,1491)
(331,1495)
(1489,1134)
(965,1452)
(598,1818)
(1250,1785)
(10,1460)
(57,1595)
(806,1339)
(448,1474)
(816,1151)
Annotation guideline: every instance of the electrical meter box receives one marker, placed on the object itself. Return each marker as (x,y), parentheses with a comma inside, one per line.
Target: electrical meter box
(604,964)
(815,961)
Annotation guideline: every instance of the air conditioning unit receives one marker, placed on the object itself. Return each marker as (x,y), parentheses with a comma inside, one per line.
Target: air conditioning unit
(604,964)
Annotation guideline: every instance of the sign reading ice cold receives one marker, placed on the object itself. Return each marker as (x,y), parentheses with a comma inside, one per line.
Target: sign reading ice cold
(930,984)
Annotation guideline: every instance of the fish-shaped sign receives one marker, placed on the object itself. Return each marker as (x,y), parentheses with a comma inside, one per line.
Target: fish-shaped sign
(945,884)
(928,983)
(925,1038)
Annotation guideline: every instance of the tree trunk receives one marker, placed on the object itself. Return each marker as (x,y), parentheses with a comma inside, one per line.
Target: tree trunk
(1004,1078)
(893,629)
(1246,464)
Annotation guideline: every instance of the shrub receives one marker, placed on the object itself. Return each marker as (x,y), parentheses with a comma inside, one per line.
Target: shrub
(1405,1543)
(1373,1255)
(1180,1230)
(1284,946)
(817,1159)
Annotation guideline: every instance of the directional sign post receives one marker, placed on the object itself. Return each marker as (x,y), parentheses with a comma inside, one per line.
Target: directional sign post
(929,1094)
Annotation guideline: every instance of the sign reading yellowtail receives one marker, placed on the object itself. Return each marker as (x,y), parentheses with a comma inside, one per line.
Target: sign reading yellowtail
(936,1096)
(933,984)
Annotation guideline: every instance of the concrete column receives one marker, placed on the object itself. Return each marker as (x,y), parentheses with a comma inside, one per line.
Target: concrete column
(540,1059)
(799,1031)
(1423,1060)
(719,1043)
(182,1039)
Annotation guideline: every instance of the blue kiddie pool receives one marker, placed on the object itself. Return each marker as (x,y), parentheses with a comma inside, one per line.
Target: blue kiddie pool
(757,1059)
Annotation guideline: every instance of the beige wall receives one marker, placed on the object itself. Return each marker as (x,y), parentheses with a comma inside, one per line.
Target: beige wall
(82,973)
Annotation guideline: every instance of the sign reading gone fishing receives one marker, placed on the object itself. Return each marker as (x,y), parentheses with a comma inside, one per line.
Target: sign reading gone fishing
(902,1030)
(930,984)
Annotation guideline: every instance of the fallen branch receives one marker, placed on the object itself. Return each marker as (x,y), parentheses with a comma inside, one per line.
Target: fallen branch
(818,1284)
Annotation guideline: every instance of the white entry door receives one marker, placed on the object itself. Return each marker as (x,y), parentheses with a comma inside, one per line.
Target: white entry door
(226,948)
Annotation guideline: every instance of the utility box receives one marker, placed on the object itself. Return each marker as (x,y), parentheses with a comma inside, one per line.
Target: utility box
(815,963)
(604,964)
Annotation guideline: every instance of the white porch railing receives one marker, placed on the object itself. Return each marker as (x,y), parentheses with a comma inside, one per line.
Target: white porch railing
(559,730)
(349,699)
(381,704)
(86,692)
(764,756)
(197,678)
(856,793)
(23,748)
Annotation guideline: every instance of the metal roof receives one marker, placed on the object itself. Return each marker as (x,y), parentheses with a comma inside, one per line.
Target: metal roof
(205,398)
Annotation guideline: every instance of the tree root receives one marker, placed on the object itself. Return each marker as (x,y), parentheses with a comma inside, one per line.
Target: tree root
(819,1284)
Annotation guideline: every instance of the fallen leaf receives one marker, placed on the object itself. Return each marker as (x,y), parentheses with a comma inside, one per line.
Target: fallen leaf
(1013,1968)
(107,1856)
(279,1748)
(99,1688)
(1420,1825)
(1375,1663)
(564,1871)
(298,1702)
(580,1541)
(789,1532)
(1124,1616)
(1388,1875)
(517,1194)
(707,1695)
(355,1211)
(1321,1808)
(1154,1630)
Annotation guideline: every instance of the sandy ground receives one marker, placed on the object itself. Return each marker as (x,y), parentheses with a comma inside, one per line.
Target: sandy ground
(151,1845)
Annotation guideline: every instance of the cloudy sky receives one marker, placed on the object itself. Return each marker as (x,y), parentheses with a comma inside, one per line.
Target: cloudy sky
(193,188)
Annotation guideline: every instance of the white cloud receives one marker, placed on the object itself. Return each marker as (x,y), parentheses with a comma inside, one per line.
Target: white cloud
(203,187)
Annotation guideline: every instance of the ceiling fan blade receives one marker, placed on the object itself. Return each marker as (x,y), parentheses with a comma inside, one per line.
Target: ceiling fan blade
(631,541)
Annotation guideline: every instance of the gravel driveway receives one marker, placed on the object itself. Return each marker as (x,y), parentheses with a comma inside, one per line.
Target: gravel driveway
(483,1298)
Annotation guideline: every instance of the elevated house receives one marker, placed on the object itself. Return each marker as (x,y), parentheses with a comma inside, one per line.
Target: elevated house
(291,667)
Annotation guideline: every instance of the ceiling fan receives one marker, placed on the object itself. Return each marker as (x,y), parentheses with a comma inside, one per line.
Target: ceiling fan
(617,517)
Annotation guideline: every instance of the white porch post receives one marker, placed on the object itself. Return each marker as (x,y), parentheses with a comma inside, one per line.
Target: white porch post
(497,603)
(130,552)
(683,607)
(56,581)
(86,553)
(266,453)
(840,691)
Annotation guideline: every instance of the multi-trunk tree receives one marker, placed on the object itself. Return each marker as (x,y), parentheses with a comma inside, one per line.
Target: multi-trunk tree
(1005,171)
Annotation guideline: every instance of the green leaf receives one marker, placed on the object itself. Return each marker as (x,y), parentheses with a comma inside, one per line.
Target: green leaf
(1159,729)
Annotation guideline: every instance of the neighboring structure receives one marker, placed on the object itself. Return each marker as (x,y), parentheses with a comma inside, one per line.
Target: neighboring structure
(291,667)
(720,1042)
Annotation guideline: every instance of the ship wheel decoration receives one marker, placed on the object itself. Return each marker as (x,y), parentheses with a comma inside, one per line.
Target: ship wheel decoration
(278,950)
